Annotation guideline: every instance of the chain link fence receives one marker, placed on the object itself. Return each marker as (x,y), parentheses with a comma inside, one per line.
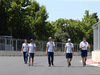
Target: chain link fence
(9,44)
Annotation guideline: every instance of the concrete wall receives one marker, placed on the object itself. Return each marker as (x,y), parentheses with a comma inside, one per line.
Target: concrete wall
(18,53)
(96,56)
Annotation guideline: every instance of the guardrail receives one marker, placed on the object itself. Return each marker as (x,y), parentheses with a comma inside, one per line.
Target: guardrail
(38,53)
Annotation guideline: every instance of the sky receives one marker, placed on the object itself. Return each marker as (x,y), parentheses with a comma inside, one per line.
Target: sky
(70,9)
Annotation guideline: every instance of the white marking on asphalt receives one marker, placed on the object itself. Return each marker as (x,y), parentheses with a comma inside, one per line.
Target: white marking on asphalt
(97,65)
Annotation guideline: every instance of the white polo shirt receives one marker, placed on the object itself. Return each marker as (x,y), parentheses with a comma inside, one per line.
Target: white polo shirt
(31,47)
(84,44)
(50,46)
(25,47)
(69,47)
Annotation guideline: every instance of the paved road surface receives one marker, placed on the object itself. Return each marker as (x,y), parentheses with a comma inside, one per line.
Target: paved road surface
(16,66)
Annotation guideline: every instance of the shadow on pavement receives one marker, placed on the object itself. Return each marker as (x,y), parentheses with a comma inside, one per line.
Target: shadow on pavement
(76,66)
(91,66)
(38,66)
(82,66)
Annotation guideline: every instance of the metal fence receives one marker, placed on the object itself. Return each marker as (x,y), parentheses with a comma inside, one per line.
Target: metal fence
(15,45)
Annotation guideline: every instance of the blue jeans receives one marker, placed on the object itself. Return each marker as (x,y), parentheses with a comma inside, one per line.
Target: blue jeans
(24,55)
(50,57)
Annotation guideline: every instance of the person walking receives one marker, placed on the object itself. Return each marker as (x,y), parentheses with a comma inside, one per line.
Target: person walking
(31,50)
(50,50)
(69,51)
(24,50)
(83,45)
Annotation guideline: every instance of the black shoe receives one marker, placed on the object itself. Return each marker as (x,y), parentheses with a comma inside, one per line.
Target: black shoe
(29,65)
(25,62)
(69,64)
(52,64)
(85,63)
(49,66)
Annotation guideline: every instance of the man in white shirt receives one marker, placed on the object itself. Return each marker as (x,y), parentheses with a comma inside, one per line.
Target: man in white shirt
(83,45)
(50,50)
(69,50)
(31,50)
(24,49)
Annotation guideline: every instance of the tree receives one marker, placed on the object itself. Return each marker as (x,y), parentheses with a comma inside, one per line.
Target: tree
(12,18)
(27,19)
(38,16)
(75,29)
(17,22)
(3,19)
(61,36)
(87,22)
(94,15)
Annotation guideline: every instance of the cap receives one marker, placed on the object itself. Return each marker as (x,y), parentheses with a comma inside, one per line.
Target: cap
(49,38)
(31,40)
(69,39)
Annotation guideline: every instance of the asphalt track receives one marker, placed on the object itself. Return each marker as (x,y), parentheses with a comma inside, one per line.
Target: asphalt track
(16,66)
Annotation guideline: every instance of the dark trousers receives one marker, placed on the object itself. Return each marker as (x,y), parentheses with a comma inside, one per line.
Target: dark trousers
(24,53)
(50,57)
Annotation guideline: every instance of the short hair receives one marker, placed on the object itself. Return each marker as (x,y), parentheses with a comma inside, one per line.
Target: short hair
(25,39)
(31,40)
(84,37)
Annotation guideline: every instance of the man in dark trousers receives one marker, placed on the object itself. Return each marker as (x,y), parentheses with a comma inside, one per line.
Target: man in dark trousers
(50,50)
(24,50)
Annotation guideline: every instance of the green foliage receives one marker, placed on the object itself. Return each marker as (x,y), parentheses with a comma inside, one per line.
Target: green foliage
(24,19)
(75,29)
(27,19)
(61,36)
(3,19)
(87,22)
(68,29)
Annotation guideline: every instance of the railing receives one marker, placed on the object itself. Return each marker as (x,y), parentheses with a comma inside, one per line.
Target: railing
(15,45)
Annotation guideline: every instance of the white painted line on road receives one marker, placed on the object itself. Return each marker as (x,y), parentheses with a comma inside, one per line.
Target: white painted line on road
(97,65)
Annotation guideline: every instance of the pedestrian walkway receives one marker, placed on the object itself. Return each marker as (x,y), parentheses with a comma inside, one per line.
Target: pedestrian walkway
(16,66)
